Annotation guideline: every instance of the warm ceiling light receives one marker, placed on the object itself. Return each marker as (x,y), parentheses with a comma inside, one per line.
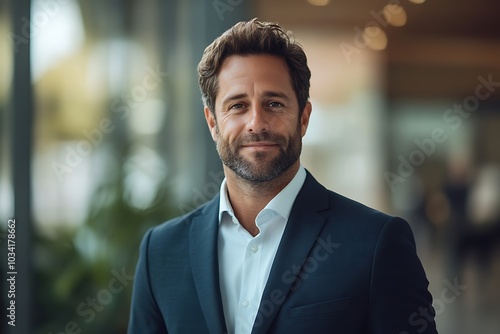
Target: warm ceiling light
(319,2)
(395,15)
(417,1)
(375,38)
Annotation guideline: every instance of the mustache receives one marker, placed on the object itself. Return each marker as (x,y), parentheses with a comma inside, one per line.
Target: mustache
(260,137)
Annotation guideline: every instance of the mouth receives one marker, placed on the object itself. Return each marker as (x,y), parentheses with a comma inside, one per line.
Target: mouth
(260,146)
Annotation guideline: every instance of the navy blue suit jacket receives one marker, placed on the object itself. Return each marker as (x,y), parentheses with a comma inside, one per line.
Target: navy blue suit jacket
(341,268)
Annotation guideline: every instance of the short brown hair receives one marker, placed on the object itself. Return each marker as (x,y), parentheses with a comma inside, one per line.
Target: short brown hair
(254,37)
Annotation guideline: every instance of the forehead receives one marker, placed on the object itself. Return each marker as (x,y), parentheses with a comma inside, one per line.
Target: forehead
(254,72)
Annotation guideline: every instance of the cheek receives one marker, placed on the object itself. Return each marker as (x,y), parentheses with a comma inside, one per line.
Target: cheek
(294,127)
(231,127)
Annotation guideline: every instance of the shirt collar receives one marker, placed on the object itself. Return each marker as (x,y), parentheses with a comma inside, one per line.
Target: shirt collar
(281,203)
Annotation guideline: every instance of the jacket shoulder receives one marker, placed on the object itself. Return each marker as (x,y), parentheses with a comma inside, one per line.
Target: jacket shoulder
(337,206)
(348,207)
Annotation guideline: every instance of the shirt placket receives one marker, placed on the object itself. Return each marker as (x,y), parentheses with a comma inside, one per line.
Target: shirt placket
(249,298)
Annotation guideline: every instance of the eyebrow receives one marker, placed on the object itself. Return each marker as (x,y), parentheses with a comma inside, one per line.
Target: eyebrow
(233,97)
(267,94)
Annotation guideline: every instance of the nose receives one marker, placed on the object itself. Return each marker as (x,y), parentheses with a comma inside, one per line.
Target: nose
(257,121)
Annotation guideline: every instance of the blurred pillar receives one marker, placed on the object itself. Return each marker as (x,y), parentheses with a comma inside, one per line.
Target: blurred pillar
(189,26)
(22,136)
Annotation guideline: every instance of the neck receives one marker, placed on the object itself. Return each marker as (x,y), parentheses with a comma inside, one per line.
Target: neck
(249,198)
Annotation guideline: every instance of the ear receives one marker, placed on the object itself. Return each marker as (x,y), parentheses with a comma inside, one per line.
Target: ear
(304,119)
(211,122)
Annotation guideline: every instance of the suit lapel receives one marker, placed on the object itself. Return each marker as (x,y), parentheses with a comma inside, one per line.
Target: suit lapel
(301,233)
(204,264)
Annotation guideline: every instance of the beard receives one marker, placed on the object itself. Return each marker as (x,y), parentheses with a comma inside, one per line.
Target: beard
(262,166)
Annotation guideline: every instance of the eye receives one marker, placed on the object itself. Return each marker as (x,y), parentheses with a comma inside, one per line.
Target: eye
(236,106)
(275,104)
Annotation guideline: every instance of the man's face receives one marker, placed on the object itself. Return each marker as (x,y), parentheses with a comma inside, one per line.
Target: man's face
(256,125)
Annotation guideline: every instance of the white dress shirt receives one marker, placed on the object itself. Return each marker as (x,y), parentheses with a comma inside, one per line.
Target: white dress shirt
(245,261)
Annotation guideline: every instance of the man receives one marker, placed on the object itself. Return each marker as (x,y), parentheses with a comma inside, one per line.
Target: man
(274,252)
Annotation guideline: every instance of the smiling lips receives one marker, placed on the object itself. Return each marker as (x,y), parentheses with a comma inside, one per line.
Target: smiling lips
(261,145)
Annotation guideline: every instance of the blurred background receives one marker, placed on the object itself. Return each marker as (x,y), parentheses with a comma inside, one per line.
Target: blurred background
(102,135)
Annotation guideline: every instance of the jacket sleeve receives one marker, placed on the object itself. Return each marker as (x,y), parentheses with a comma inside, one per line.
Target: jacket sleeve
(400,302)
(145,315)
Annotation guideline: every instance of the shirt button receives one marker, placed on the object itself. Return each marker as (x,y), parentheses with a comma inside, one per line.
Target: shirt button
(245,304)
(254,249)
